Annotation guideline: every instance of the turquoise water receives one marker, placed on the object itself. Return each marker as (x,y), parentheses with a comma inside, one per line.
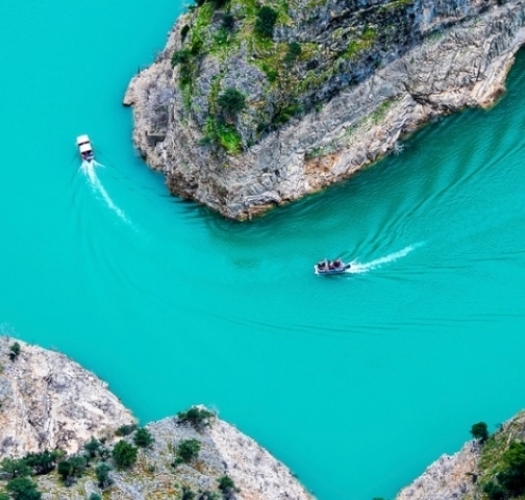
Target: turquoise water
(356,383)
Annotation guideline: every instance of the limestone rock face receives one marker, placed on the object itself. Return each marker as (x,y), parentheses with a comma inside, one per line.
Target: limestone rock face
(48,401)
(448,478)
(370,72)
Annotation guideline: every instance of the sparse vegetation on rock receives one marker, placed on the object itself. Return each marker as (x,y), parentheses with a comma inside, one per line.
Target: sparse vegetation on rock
(188,450)
(143,438)
(480,431)
(22,488)
(97,466)
(124,455)
(14,351)
(198,418)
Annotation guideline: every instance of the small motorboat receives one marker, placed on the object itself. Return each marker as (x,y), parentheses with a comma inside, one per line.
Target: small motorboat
(329,267)
(84,148)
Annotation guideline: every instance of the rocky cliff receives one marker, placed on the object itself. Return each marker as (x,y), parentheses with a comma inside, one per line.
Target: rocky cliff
(492,468)
(254,105)
(49,402)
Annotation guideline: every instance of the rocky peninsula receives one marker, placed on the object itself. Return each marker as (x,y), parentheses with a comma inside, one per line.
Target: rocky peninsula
(62,435)
(253,105)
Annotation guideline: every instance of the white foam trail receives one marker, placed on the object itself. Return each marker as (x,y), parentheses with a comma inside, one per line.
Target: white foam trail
(359,268)
(88,167)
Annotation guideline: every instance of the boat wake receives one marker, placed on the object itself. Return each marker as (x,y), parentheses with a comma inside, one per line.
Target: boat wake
(88,168)
(360,268)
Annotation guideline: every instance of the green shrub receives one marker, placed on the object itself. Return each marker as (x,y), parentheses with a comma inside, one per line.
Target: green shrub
(293,53)
(102,472)
(265,22)
(14,351)
(125,430)
(124,455)
(187,494)
(198,418)
(143,438)
(271,73)
(180,57)
(228,138)
(71,469)
(188,450)
(4,496)
(494,491)
(183,33)
(512,477)
(479,431)
(228,21)
(22,488)
(15,467)
(227,487)
(43,462)
(286,113)
(94,496)
(92,448)
(232,102)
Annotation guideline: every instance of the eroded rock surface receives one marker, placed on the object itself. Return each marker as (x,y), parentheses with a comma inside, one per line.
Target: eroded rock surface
(432,59)
(48,401)
(451,477)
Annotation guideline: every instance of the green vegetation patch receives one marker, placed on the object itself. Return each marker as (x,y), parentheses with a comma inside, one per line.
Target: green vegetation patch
(358,45)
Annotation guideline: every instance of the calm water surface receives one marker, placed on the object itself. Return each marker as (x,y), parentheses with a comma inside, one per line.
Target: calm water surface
(356,383)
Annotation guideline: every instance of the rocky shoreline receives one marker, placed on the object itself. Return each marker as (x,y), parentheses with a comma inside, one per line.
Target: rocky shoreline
(49,402)
(461,60)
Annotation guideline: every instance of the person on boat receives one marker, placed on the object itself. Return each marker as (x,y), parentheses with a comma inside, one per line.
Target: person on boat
(321,265)
(338,263)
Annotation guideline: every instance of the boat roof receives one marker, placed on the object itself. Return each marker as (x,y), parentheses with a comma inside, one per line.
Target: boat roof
(82,138)
(85,148)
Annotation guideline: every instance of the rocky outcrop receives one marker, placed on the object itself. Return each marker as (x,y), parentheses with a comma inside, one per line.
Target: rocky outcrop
(448,478)
(382,69)
(48,402)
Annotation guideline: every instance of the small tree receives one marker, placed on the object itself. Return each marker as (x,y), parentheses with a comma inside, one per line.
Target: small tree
(102,472)
(232,102)
(180,57)
(188,450)
(143,438)
(198,418)
(494,491)
(227,487)
(4,496)
(72,468)
(294,51)
(92,448)
(43,462)
(14,351)
(124,455)
(22,488)
(14,467)
(125,430)
(228,21)
(265,22)
(479,431)
(94,496)
(187,494)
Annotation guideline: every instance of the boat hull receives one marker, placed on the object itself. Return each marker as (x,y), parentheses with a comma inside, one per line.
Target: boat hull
(331,272)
